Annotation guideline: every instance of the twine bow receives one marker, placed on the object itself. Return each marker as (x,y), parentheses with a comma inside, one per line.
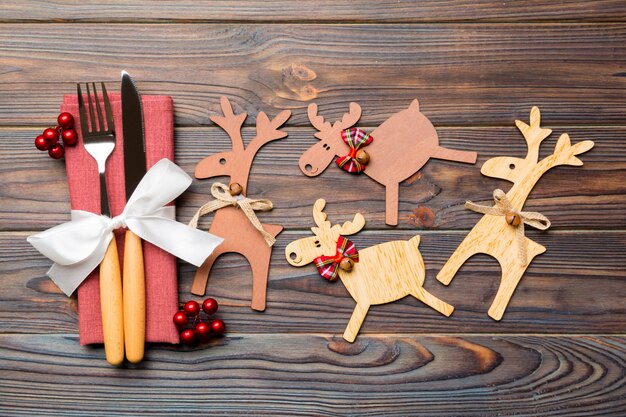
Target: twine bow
(504,208)
(327,265)
(356,139)
(223,198)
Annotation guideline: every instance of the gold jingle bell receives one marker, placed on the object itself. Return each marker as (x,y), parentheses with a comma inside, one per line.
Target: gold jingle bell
(362,157)
(346,264)
(235,189)
(513,218)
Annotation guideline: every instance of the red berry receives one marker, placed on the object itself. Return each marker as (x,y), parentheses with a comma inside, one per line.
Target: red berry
(181,319)
(187,336)
(56,151)
(41,143)
(51,135)
(70,137)
(209,306)
(218,327)
(66,120)
(192,308)
(203,331)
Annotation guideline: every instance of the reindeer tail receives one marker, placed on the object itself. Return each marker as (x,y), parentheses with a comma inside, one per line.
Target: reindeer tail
(566,153)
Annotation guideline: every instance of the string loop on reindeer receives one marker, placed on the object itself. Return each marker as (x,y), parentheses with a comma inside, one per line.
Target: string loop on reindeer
(514,217)
(223,198)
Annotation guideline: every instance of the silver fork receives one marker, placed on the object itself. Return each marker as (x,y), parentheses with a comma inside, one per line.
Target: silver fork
(99,142)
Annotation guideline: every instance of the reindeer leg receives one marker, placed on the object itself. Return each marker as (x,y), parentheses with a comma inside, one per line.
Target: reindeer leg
(505,291)
(260,269)
(354,325)
(391,204)
(466,249)
(430,300)
(201,277)
(454,155)
(512,272)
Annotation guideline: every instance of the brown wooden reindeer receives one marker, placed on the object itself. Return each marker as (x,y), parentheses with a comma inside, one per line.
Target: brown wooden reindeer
(498,235)
(384,273)
(402,145)
(230,222)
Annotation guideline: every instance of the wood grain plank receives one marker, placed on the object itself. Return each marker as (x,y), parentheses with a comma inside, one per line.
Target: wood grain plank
(578,286)
(297,375)
(311,10)
(34,195)
(464,75)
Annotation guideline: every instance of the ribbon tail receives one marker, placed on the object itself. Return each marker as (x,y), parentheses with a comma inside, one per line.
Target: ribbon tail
(190,244)
(249,211)
(269,239)
(521,245)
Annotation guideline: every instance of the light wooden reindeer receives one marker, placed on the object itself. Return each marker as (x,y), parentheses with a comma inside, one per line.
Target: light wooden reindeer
(230,223)
(384,273)
(402,145)
(495,235)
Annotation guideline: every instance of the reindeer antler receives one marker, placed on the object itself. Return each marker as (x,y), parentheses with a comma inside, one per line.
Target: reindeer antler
(267,130)
(231,123)
(352,227)
(565,153)
(348,119)
(319,216)
(316,120)
(533,134)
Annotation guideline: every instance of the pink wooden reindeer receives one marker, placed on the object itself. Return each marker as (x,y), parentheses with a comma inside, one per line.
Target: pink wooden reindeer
(402,145)
(230,223)
(498,234)
(384,273)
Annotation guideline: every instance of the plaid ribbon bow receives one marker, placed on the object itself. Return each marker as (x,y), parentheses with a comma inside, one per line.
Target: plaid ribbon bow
(327,265)
(355,138)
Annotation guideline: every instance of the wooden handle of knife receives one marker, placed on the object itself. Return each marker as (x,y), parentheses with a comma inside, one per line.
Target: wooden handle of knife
(111,305)
(134,298)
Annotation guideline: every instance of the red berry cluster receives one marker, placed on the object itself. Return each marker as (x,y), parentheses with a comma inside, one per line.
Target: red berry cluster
(193,327)
(49,139)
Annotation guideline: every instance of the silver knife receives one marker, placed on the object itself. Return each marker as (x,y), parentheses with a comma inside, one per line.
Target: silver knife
(134,295)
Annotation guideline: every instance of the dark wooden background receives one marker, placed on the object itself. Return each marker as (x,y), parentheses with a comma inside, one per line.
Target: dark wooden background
(475,67)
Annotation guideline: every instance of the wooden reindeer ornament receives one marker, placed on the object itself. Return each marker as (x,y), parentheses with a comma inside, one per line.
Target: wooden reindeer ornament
(500,233)
(382,274)
(401,146)
(242,232)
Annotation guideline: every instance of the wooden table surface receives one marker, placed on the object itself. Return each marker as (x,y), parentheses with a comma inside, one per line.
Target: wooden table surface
(475,67)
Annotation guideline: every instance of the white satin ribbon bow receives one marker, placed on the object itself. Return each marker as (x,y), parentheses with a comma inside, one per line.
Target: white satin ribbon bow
(78,246)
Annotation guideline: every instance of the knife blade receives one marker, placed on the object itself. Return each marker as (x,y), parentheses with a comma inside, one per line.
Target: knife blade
(134,295)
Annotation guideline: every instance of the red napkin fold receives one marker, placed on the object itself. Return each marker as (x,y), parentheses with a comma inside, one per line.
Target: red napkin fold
(83,179)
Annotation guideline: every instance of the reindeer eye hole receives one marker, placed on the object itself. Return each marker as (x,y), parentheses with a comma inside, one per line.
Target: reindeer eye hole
(308,167)
(293,256)
(317,244)
(222,161)
(326,146)
(512,166)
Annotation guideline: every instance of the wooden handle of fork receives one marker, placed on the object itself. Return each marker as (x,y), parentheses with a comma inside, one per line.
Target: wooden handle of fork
(111,305)
(134,298)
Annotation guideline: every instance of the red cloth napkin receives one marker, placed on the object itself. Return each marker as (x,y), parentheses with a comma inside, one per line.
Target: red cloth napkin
(83,179)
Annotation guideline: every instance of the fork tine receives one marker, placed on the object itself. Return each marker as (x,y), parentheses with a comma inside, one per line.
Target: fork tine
(98,110)
(92,118)
(107,109)
(82,111)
